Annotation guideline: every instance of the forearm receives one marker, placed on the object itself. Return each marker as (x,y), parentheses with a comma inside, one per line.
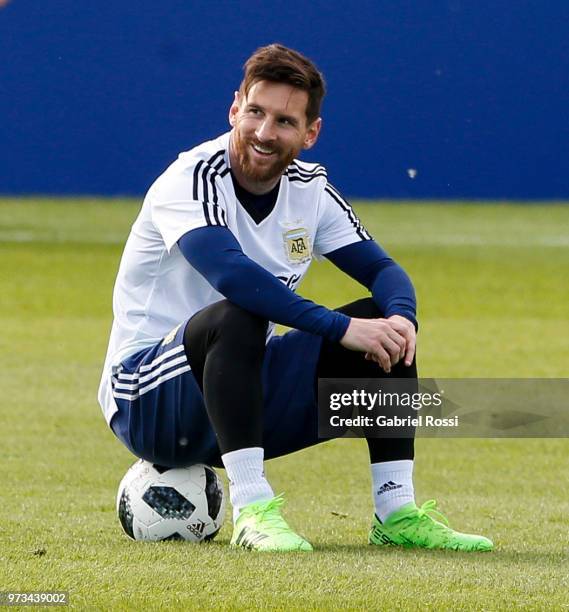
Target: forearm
(390,286)
(216,254)
(393,293)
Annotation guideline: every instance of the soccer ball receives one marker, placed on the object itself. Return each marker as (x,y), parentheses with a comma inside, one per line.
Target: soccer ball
(159,503)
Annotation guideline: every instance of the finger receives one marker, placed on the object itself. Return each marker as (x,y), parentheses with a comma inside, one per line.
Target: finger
(401,329)
(398,338)
(402,343)
(410,352)
(381,362)
(408,332)
(397,328)
(382,357)
(392,349)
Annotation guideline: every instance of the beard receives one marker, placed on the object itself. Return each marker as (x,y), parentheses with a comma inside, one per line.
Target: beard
(257,173)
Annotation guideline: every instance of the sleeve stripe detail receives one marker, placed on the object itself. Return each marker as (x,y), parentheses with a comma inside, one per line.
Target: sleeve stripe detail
(217,154)
(204,180)
(360,229)
(301,179)
(196,174)
(219,164)
(296,173)
(205,203)
(221,167)
(297,168)
(213,187)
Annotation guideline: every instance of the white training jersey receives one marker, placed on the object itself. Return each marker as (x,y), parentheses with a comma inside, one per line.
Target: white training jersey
(157,289)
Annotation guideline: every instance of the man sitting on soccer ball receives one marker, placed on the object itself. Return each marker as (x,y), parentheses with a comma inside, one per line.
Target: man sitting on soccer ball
(225,235)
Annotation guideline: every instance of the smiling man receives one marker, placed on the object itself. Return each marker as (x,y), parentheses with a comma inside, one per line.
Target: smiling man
(262,148)
(193,371)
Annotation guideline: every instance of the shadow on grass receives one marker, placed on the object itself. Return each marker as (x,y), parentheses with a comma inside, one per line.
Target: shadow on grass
(499,556)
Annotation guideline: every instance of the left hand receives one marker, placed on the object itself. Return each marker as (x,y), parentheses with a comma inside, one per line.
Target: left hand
(405,328)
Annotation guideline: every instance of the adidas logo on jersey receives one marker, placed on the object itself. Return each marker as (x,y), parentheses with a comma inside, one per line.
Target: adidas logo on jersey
(389,486)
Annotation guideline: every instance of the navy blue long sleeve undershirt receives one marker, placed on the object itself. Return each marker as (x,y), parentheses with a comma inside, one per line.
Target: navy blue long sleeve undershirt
(217,256)
(391,288)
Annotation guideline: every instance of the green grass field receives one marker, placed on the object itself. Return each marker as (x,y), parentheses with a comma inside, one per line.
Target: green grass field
(493,290)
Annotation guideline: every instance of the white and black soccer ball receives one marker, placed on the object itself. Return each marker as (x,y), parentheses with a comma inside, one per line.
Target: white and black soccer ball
(159,503)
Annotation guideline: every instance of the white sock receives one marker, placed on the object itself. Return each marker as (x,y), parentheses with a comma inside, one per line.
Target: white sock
(391,486)
(247,482)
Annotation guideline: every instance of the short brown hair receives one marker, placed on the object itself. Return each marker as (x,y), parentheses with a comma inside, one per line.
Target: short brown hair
(280,64)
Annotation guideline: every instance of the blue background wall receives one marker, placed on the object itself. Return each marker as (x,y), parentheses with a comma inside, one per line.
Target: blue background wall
(97,98)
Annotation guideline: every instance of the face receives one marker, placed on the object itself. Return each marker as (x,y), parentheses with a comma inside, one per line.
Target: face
(269,130)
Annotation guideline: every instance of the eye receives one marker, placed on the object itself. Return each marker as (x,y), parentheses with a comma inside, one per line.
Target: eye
(287,121)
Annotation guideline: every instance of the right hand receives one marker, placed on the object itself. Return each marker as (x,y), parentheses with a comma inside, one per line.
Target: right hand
(376,338)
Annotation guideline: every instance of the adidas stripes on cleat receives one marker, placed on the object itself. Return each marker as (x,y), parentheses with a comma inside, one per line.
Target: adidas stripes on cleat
(411,527)
(260,526)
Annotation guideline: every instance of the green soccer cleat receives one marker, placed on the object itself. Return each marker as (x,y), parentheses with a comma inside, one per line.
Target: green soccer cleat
(412,527)
(260,526)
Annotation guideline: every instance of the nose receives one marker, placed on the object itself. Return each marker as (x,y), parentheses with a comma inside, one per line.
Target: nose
(265,131)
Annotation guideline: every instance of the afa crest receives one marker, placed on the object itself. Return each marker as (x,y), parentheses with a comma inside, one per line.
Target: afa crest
(297,245)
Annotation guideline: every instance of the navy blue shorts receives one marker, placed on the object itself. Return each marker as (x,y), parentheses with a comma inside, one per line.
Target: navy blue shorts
(161,414)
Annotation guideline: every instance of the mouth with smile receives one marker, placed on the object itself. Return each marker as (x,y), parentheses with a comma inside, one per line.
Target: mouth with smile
(263,151)
(260,162)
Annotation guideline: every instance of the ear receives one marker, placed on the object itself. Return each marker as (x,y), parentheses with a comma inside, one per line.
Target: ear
(312,133)
(234,109)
